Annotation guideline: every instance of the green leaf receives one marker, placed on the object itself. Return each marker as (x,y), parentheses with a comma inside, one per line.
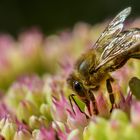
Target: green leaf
(80,103)
(134,85)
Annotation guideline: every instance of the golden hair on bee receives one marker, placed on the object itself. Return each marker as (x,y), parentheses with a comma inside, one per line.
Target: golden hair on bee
(110,52)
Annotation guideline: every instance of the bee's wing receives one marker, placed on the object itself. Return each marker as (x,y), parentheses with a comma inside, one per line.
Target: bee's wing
(112,30)
(124,43)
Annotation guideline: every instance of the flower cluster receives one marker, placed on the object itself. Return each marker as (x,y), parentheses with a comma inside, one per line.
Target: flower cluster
(37,107)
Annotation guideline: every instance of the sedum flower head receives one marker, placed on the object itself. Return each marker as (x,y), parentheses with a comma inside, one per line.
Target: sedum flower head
(36,106)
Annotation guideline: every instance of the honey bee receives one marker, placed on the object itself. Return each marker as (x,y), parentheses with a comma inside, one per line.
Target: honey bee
(110,52)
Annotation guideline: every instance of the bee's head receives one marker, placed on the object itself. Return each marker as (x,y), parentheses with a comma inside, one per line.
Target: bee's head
(79,80)
(76,85)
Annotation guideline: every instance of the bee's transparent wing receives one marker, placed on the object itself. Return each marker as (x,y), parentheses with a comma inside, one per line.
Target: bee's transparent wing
(112,30)
(122,44)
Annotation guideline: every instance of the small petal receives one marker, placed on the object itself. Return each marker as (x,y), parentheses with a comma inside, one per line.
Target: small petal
(4,110)
(22,135)
(77,118)
(45,110)
(6,120)
(74,135)
(59,109)
(46,134)
(8,131)
(36,122)
(135,113)
(96,130)
(25,110)
(119,115)
(102,105)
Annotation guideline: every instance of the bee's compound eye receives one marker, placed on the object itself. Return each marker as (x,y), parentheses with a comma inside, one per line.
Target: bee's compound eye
(77,86)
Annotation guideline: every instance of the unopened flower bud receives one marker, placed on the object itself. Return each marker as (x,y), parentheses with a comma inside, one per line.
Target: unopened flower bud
(22,135)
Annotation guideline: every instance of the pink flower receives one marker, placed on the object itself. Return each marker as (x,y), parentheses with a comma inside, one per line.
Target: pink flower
(59,108)
(135,113)
(125,102)
(29,42)
(102,105)
(76,118)
(46,134)
(32,82)
(22,135)
(4,111)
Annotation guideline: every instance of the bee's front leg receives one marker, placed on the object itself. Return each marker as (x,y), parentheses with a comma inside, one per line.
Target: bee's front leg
(110,91)
(71,98)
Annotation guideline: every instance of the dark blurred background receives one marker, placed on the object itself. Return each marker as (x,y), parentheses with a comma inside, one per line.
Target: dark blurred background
(54,15)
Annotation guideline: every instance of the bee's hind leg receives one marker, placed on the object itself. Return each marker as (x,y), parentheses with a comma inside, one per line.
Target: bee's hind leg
(110,91)
(94,104)
(135,56)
